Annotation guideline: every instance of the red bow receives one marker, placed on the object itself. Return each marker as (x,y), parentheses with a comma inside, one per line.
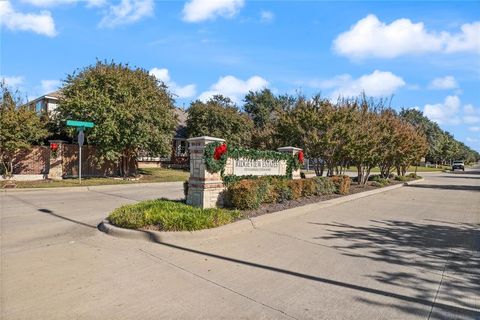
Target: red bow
(300,156)
(219,151)
(54,147)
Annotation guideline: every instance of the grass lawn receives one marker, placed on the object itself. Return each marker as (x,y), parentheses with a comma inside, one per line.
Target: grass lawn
(411,169)
(168,215)
(147,175)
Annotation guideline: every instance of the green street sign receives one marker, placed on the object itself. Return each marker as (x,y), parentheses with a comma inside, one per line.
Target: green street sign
(84,124)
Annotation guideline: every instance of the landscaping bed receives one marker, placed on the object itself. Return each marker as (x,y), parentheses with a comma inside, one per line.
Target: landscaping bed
(275,207)
(247,198)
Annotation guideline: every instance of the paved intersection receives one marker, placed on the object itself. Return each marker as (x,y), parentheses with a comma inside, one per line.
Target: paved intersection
(410,253)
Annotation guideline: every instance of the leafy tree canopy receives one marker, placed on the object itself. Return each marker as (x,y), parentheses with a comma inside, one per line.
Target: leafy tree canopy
(131,110)
(20,127)
(219,117)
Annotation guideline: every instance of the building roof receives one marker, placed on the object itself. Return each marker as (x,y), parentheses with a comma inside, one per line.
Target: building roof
(56,95)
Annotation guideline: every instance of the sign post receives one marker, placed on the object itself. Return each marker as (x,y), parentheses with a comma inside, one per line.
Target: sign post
(80,125)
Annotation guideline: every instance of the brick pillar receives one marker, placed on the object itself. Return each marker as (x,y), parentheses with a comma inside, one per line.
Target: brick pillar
(205,190)
(293,151)
(55,171)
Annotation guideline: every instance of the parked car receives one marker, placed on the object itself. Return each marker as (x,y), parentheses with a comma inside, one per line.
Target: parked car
(458,165)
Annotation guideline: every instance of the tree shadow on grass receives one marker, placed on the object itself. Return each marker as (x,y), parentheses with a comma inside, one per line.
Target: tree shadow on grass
(437,252)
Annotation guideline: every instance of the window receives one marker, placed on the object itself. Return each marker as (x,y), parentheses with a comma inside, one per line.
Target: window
(181,148)
(39,107)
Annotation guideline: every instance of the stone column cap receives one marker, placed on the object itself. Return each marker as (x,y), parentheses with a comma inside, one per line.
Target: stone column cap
(206,138)
(288,149)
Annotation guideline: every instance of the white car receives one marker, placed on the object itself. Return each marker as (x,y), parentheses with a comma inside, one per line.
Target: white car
(458,165)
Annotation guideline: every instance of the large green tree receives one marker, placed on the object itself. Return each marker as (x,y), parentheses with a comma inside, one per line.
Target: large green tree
(265,109)
(219,117)
(20,127)
(132,111)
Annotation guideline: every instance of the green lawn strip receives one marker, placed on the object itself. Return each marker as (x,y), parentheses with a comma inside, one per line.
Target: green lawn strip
(147,175)
(168,215)
(411,169)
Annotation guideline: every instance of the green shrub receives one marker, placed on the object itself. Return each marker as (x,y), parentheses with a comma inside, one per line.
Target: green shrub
(170,216)
(324,186)
(296,186)
(379,180)
(377,184)
(401,178)
(245,194)
(282,190)
(309,187)
(342,184)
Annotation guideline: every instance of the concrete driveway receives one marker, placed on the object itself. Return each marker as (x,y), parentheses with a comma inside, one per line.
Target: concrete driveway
(409,253)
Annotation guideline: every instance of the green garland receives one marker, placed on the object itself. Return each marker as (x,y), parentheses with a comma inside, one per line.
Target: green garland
(214,166)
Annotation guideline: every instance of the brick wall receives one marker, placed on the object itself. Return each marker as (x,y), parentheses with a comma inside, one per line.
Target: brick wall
(91,166)
(35,160)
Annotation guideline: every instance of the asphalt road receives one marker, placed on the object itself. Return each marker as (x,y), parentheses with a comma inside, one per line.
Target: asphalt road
(409,253)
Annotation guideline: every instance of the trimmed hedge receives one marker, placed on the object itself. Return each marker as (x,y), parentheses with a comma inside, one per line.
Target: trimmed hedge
(342,184)
(251,193)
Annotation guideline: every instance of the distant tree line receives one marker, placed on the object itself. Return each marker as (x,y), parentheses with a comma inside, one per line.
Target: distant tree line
(361,132)
(134,112)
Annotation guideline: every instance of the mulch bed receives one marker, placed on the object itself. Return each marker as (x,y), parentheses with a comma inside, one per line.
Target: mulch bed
(274,207)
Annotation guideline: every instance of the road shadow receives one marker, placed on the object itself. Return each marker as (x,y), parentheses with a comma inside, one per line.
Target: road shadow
(446,187)
(433,249)
(50,212)
(418,302)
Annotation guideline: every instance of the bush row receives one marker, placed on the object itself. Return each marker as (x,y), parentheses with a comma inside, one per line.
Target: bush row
(250,193)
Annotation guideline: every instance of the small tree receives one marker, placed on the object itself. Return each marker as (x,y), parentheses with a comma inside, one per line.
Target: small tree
(131,110)
(20,127)
(219,117)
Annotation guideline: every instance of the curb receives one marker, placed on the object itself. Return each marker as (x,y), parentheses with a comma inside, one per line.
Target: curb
(88,188)
(238,226)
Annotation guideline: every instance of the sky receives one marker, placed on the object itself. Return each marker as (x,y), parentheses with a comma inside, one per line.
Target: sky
(423,55)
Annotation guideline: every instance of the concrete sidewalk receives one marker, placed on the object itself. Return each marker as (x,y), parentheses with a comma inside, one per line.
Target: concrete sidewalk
(409,253)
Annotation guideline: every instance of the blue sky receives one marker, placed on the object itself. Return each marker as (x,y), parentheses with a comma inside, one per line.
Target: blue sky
(425,54)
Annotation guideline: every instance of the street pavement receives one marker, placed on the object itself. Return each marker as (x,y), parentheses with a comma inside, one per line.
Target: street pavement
(409,253)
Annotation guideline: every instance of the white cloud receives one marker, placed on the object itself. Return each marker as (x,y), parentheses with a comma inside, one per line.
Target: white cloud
(471,114)
(48,3)
(163,75)
(474,129)
(126,12)
(13,82)
(41,23)
(370,37)
(266,16)
(451,112)
(201,10)
(54,3)
(234,88)
(446,112)
(377,84)
(48,86)
(447,82)
(466,41)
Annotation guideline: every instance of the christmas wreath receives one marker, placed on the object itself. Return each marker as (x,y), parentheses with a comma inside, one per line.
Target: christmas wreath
(215,156)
